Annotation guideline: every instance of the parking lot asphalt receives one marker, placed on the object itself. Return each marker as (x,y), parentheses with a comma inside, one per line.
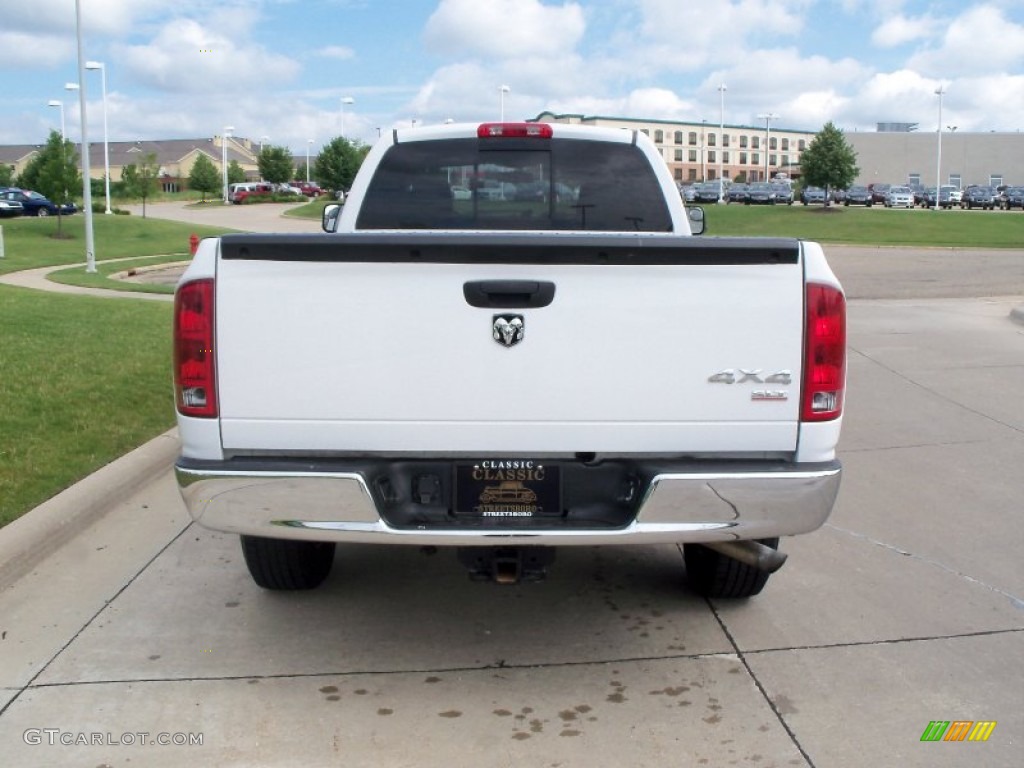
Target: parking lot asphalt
(906,608)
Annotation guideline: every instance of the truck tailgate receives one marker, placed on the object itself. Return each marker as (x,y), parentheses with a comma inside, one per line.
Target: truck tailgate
(343,346)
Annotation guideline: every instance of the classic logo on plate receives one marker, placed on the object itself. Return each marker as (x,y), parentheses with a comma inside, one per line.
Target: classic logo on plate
(508,330)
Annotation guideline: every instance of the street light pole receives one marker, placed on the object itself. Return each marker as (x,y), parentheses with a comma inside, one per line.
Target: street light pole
(938,160)
(503,90)
(90,244)
(58,103)
(768,117)
(345,100)
(721,140)
(703,165)
(224,159)
(94,65)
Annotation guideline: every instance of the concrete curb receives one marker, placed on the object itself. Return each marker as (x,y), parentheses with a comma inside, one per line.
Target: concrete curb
(40,532)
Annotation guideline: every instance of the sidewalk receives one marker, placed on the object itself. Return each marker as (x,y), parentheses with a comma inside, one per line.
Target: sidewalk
(37,279)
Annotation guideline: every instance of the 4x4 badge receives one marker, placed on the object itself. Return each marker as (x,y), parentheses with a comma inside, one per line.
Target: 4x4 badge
(508,329)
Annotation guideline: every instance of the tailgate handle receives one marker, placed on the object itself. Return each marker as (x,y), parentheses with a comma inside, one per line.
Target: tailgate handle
(508,294)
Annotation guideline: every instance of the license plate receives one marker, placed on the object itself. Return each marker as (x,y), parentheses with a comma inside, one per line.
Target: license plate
(508,488)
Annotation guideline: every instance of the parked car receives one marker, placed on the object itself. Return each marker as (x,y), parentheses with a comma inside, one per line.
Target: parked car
(308,188)
(34,204)
(761,193)
(290,189)
(878,192)
(688,192)
(10,208)
(737,194)
(706,192)
(783,193)
(243,191)
(956,194)
(858,196)
(979,197)
(1012,197)
(899,197)
(813,195)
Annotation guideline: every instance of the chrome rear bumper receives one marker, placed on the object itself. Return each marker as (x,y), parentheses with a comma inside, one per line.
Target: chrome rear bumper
(700,502)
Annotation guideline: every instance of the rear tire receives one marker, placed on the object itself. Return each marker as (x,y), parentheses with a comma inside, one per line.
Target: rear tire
(42,212)
(283,564)
(712,574)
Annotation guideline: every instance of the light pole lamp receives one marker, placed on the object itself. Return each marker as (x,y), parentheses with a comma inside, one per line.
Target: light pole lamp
(721,140)
(59,103)
(503,90)
(767,117)
(70,86)
(938,155)
(94,65)
(224,159)
(309,143)
(345,100)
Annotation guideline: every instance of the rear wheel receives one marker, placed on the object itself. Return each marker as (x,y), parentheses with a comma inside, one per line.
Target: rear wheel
(42,212)
(712,574)
(283,564)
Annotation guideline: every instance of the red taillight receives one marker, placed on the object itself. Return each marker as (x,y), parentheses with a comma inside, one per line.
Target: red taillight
(195,385)
(824,353)
(514,131)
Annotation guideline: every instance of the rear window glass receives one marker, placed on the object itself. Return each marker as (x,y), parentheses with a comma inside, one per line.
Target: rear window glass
(529,184)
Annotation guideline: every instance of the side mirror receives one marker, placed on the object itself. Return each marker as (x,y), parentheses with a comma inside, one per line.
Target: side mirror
(696,217)
(330,217)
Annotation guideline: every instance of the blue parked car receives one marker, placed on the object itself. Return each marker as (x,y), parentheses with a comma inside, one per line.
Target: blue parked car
(35,204)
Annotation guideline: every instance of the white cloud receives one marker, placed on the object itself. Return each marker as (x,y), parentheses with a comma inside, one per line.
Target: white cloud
(981,40)
(26,49)
(898,30)
(685,38)
(187,57)
(504,28)
(804,91)
(340,52)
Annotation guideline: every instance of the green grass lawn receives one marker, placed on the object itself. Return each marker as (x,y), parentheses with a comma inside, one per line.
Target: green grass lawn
(85,380)
(82,380)
(314,209)
(870,226)
(29,241)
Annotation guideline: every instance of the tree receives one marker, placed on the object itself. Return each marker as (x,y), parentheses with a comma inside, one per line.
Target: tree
(829,161)
(55,173)
(6,175)
(140,180)
(338,162)
(275,164)
(204,176)
(235,173)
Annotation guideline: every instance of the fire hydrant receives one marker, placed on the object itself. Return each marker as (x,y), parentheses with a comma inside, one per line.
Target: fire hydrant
(193,243)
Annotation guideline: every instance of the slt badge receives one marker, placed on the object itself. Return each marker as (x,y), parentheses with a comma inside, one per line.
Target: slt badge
(508,330)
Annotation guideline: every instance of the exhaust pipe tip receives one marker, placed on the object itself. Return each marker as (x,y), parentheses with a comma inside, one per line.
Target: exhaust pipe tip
(752,553)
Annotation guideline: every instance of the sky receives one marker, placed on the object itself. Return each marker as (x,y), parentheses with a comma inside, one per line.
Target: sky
(290,71)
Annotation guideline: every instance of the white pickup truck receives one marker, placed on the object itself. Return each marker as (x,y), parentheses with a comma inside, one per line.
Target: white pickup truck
(506,341)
